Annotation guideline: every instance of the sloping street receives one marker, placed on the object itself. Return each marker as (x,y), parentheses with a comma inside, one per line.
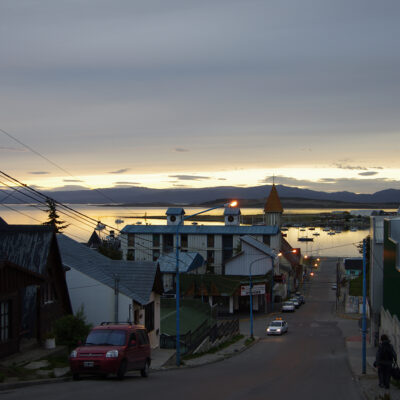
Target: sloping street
(306,363)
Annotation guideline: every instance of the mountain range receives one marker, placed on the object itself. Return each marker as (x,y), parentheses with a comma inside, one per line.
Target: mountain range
(251,196)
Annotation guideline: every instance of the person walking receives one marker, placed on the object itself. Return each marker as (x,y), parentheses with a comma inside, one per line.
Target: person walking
(385,356)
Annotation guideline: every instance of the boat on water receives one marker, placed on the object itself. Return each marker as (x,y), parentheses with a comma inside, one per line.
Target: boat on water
(326,229)
(302,229)
(119,221)
(353,229)
(311,228)
(305,239)
(284,229)
(331,233)
(316,234)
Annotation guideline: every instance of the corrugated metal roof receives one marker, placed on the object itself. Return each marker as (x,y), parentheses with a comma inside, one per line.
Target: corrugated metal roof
(258,245)
(188,261)
(136,279)
(203,229)
(27,245)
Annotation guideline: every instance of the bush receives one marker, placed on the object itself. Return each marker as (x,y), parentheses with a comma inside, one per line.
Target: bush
(71,329)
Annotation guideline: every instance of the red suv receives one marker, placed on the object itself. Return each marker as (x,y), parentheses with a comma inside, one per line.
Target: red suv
(112,348)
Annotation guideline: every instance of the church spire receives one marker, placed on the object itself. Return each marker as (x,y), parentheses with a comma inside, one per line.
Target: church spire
(273,209)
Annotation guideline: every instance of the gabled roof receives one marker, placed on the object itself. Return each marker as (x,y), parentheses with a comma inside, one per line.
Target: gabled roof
(286,249)
(136,279)
(273,203)
(2,222)
(27,246)
(232,211)
(175,211)
(258,245)
(94,240)
(188,261)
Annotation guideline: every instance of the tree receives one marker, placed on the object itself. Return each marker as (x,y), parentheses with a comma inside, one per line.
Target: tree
(53,217)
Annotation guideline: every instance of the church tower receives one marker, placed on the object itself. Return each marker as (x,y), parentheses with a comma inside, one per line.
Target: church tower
(273,209)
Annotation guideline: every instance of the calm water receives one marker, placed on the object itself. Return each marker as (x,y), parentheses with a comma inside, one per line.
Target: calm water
(339,245)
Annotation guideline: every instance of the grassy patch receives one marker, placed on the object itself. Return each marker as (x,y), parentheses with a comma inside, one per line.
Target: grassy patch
(57,361)
(15,371)
(249,341)
(214,349)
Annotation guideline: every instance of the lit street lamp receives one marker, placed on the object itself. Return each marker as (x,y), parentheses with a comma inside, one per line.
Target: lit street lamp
(178,344)
(251,287)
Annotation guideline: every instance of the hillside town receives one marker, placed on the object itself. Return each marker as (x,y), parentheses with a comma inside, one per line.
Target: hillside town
(207,278)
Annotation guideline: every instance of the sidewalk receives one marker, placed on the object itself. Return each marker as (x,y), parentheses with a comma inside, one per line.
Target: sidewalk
(367,382)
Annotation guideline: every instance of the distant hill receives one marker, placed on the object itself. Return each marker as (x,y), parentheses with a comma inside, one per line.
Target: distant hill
(250,197)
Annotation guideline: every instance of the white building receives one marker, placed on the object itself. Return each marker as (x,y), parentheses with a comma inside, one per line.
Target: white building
(111,290)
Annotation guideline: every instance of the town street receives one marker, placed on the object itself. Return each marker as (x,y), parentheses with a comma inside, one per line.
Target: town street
(307,363)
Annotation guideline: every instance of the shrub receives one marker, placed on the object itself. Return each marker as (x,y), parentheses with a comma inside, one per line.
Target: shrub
(71,329)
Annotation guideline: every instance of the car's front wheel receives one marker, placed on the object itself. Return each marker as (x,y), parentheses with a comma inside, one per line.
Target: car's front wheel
(122,370)
(145,370)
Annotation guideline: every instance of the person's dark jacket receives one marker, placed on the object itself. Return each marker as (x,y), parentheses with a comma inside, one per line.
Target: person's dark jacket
(385,355)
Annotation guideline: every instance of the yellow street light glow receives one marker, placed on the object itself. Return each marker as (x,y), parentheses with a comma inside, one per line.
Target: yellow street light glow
(233,203)
(279,254)
(317,259)
(315,265)
(294,251)
(306,256)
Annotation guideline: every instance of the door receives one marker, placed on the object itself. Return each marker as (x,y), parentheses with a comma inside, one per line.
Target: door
(132,352)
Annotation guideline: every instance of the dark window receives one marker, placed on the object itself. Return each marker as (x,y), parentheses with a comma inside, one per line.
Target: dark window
(156,240)
(156,255)
(142,336)
(184,241)
(267,239)
(210,240)
(210,257)
(103,337)
(149,316)
(130,255)
(168,243)
(5,321)
(227,246)
(48,293)
(131,239)
(132,337)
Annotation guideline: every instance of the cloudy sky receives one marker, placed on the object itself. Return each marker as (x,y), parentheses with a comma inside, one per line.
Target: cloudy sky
(183,93)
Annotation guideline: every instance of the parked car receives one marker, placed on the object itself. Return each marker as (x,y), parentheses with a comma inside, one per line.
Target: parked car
(277,327)
(334,286)
(112,348)
(288,306)
(301,298)
(295,301)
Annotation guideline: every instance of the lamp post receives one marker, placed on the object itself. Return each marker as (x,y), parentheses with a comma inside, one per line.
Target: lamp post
(364,310)
(280,254)
(178,344)
(251,287)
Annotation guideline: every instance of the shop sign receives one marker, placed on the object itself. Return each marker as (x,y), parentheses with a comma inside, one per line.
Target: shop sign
(257,289)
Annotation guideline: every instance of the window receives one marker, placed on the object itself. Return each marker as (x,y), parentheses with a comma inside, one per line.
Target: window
(131,239)
(184,241)
(5,319)
(210,240)
(210,257)
(48,293)
(130,255)
(267,239)
(149,316)
(156,255)
(142,337)
(156,240)
(168,243)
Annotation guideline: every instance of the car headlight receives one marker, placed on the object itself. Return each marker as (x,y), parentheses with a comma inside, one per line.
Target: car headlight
(73,354)
(278,330)
(112,354)
(268,330)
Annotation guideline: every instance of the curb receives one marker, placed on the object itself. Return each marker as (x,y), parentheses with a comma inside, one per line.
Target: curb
(218,359)
(21,384)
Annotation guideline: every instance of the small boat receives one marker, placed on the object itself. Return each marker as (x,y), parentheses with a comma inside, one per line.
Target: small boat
(353,229)
(305,239)
(311,229)
(138,223)
(284,229)
(316,234)
(302,229)
(326,229)
(331,233)
(119,221)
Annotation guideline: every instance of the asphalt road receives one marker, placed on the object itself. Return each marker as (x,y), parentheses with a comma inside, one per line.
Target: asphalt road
(309,362)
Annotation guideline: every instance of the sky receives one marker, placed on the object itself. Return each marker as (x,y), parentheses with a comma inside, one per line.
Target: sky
(182,93)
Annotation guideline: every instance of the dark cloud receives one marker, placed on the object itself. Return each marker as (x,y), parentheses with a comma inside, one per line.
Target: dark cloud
(39,172)
(177,185)
(189,177)
(72,180)
(351,167)
(120,171)
(181,150)
(127,183)
(222,179)
(368,173)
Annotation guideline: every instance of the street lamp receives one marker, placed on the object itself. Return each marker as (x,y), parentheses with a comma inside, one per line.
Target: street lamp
(178,344)
(251,288)
(280,254)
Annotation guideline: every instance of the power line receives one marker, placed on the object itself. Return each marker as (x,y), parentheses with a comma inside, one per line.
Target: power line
(53,163)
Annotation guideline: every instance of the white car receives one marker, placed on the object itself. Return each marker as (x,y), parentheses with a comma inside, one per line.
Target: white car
(334,286)
(288,306)
(295,301)
(277,327)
